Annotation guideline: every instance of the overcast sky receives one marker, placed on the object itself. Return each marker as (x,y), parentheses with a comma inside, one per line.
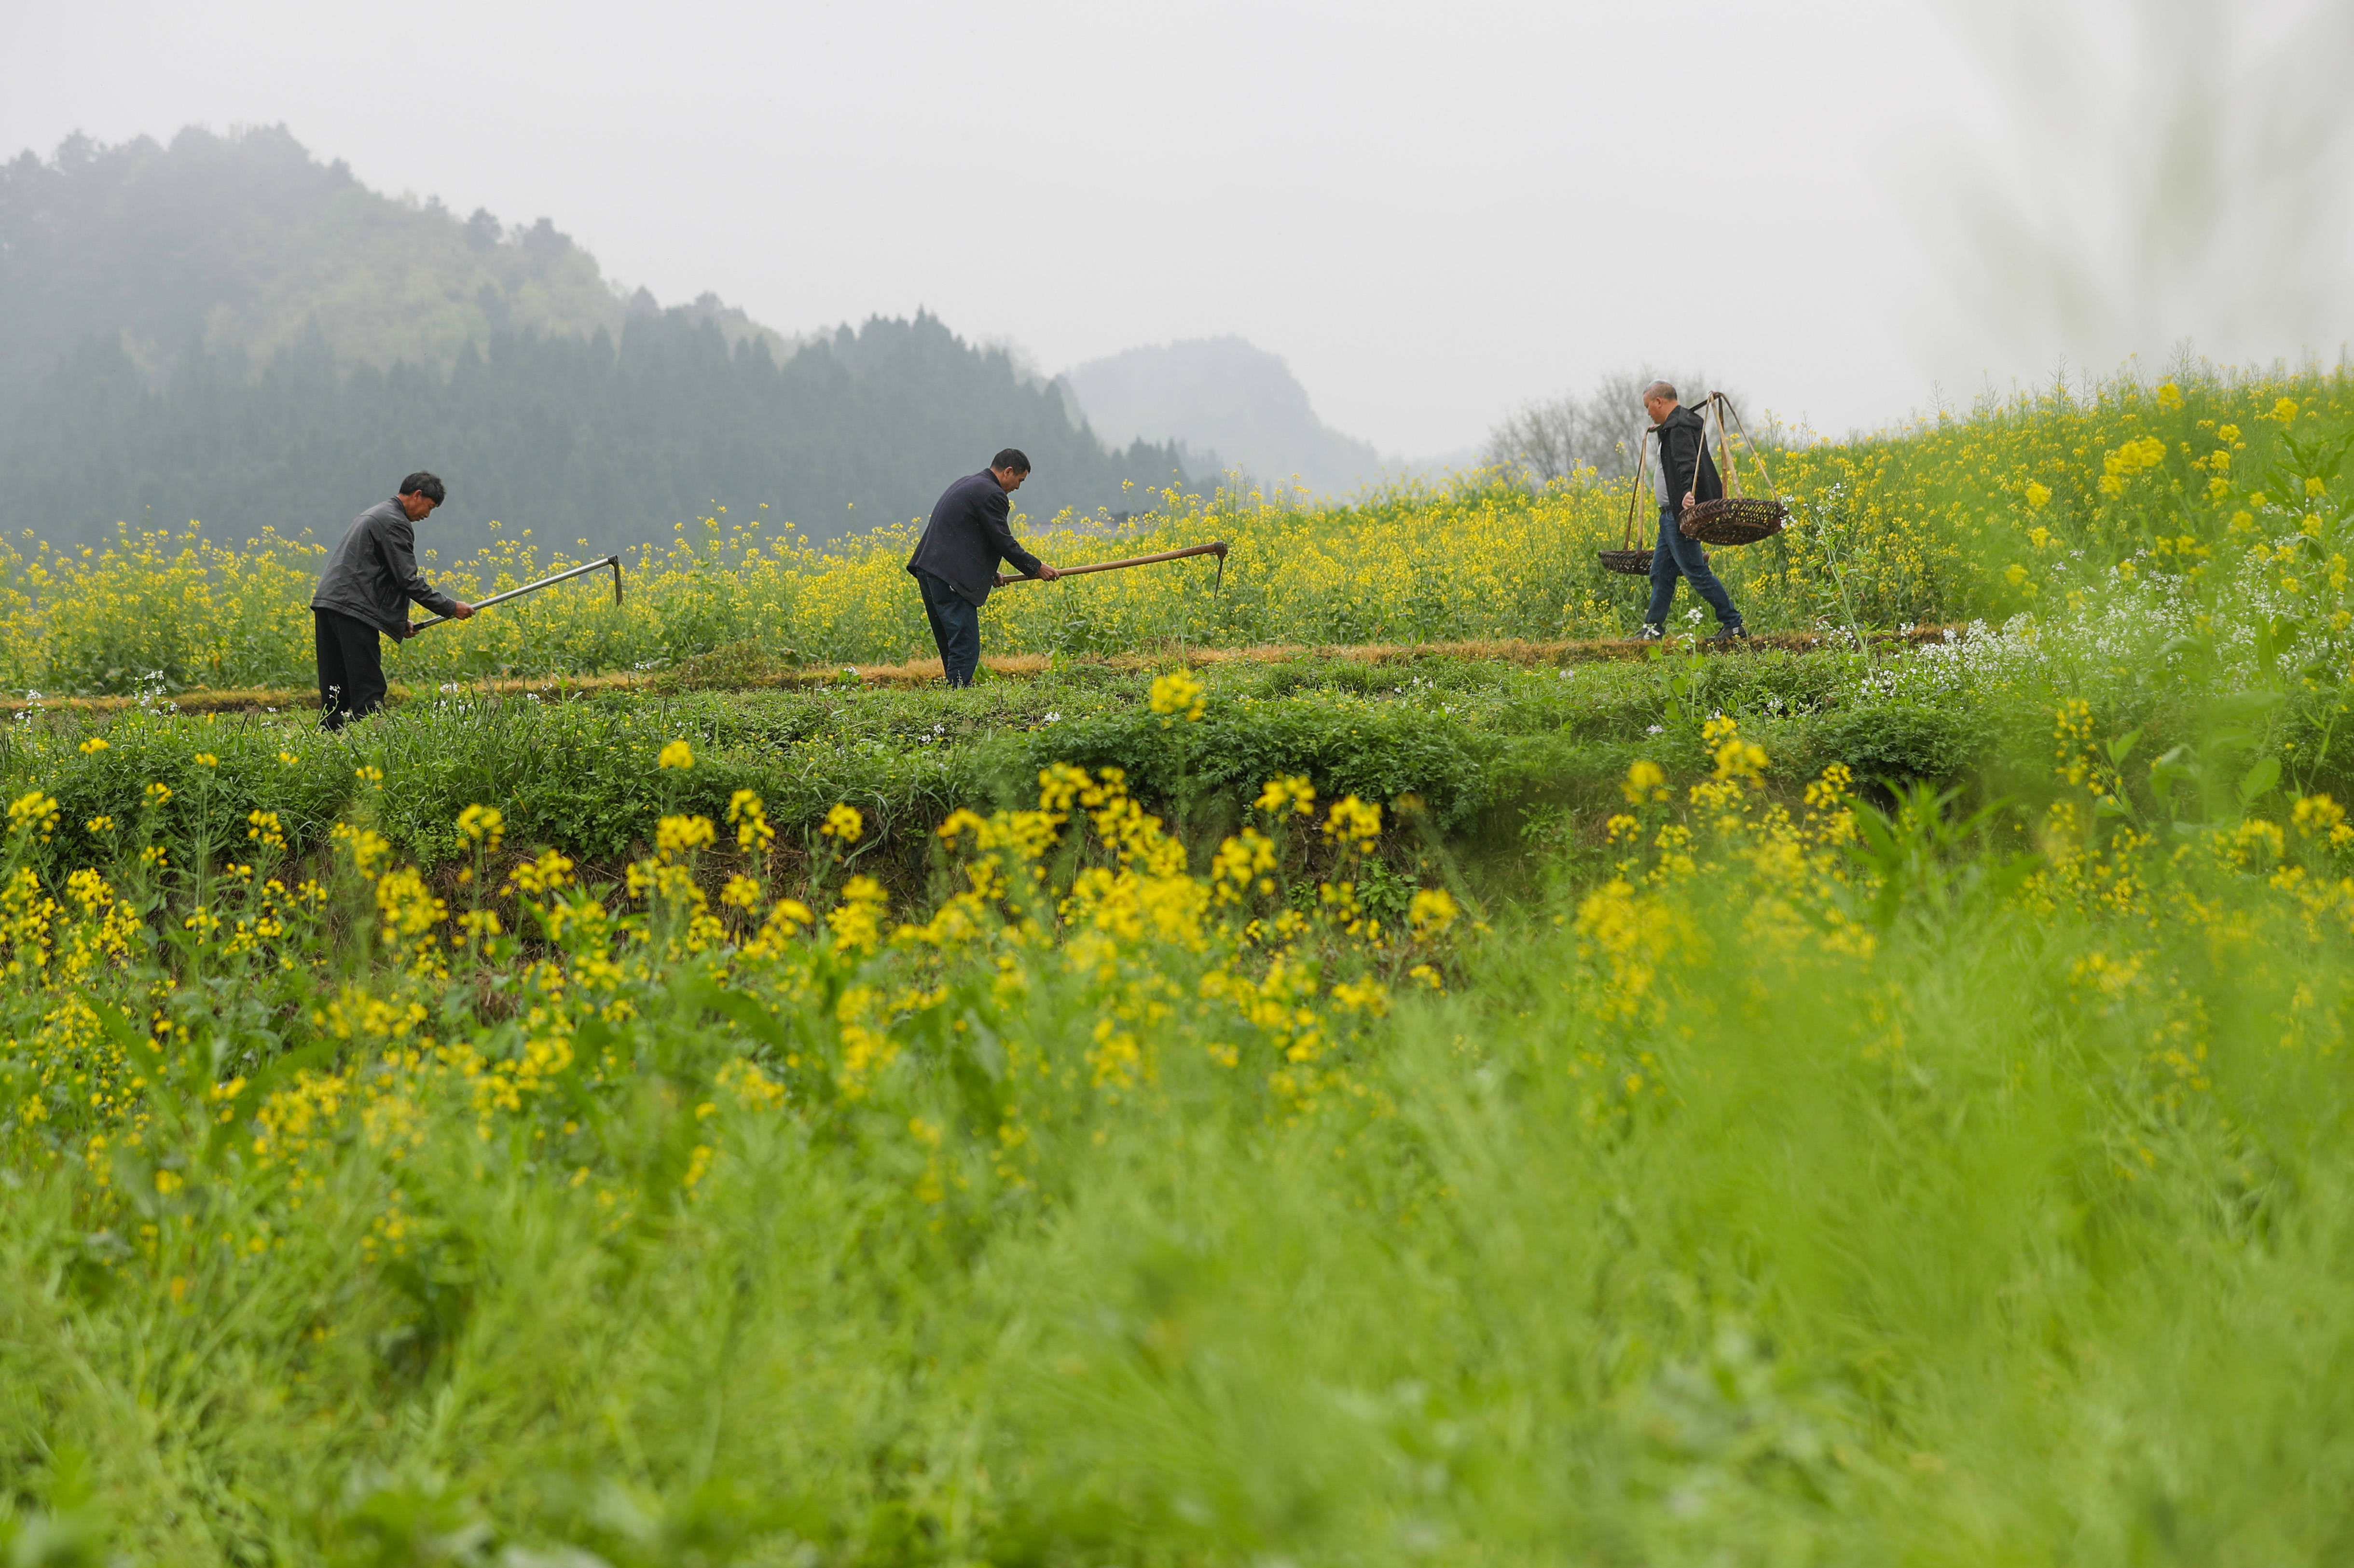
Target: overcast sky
(1431,212)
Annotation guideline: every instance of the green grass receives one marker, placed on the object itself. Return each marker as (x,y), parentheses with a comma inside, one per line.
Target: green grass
(1953,1171)
(1921,1246)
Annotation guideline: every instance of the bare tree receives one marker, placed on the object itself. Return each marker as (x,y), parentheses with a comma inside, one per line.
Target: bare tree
(1603,430)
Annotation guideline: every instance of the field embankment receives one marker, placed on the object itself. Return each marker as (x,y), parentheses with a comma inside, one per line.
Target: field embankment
(747,668)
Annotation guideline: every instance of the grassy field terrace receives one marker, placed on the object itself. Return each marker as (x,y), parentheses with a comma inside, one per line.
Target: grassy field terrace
(1366,1066)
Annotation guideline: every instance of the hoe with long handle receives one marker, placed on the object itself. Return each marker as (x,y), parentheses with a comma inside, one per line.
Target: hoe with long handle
(612,561)
(1215,548)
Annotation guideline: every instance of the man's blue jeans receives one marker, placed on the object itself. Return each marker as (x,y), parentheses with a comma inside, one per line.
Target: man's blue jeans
(1675,556)
(956,628)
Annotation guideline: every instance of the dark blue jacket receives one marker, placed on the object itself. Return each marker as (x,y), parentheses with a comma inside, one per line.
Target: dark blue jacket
(1683,438)
(967,537)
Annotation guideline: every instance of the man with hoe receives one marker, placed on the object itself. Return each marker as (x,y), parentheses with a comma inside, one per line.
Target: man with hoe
(955,562)
(370,577)
(1687,476)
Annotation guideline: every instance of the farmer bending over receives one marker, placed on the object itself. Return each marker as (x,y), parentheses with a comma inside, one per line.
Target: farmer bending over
(1687,476)
(955,562)
(370,577)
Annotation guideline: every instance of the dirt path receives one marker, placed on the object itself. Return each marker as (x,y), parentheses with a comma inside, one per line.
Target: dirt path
(736,676)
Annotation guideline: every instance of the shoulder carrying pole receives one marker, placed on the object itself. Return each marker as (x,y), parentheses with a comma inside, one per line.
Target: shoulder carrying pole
(1757,454)
(1634,496)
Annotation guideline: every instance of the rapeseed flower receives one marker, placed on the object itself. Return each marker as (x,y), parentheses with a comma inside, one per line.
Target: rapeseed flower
(1178,693)
(1646,783)
(481,826)
(1295,794)
(34,814)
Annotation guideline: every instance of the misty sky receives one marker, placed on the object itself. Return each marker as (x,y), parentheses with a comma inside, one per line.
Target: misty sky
(1432,212)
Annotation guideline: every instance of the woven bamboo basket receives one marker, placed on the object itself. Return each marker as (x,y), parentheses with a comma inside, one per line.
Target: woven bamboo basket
(1736,520)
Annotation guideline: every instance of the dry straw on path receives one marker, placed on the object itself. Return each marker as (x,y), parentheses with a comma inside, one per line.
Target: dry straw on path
(1014,666)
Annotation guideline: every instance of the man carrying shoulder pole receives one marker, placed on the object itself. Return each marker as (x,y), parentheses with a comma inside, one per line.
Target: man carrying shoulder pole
(371,575)
(1687,476)
(955,562)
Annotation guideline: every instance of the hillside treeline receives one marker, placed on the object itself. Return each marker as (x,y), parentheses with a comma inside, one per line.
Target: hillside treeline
(225,329)
(246,240)
(574,439)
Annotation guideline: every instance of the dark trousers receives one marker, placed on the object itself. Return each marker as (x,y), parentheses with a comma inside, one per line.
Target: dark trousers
(956,628)
(1675,556)
(351,667)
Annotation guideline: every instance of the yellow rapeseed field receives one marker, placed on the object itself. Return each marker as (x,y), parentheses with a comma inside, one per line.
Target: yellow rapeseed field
(1950,519)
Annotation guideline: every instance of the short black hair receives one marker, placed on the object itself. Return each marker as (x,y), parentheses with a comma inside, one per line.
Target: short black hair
(428,485)
(1011,461)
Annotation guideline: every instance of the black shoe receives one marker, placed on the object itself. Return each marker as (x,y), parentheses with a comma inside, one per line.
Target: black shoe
(1650,633)
(1736,632)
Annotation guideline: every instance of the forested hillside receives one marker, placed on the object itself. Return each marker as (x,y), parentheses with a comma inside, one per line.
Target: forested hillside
(226,329)
(597,440)
(248,241)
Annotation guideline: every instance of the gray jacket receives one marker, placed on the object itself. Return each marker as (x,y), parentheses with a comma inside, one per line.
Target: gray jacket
(372,572)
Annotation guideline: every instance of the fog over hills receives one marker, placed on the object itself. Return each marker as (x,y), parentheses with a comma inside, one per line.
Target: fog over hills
(247,242)
(1230,405)
(227,328)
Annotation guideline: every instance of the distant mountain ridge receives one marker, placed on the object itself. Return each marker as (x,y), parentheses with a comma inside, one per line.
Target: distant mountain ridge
(1230,404)
(225,328)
